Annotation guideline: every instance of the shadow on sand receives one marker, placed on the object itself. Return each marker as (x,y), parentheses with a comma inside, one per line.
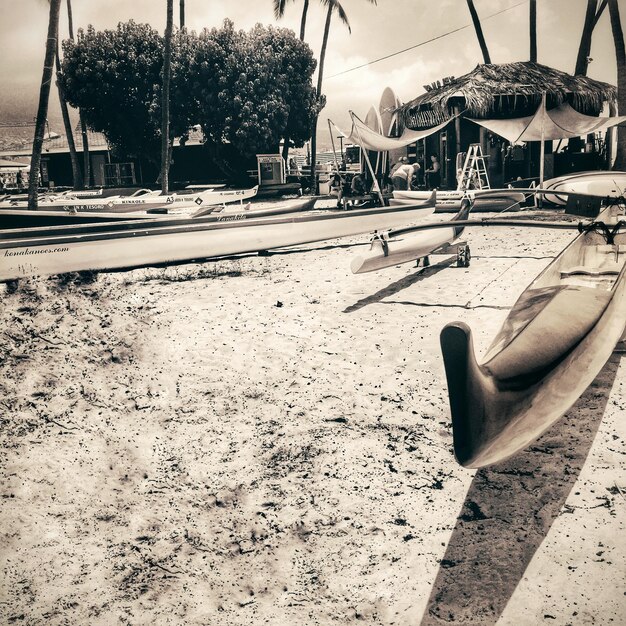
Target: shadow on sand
(509,510)
(403,283)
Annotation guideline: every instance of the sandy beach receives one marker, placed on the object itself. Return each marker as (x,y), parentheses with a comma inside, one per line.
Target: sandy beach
(267,440)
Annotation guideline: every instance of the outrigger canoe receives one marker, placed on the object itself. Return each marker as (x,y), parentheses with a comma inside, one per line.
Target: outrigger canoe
(23,218)
(395,247)
(145,202)
(54,250)
(450,201)
(555,340)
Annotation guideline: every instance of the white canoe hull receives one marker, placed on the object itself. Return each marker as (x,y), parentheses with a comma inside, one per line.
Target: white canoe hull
(603,184)
(123,204)
(450,201)
(67,250)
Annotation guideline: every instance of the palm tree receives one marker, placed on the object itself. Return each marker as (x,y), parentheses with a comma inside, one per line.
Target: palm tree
(83,124)
(332,7)
(44,95)
(620,57)
(279,11)
(479,31)
(592,15)
(582,60)
(533,30)
(165,99)
(76,174)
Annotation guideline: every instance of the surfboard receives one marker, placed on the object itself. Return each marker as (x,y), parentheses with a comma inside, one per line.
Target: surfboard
(389,101)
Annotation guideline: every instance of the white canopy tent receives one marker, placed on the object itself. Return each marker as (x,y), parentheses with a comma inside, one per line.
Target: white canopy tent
(369,139)
(563,122)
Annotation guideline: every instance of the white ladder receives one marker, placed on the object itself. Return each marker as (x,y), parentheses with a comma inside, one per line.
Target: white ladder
(474,173)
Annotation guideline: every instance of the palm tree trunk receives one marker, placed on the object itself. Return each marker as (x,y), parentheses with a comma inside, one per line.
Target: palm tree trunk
(77,177)
(479,31)
(533,30)
(86,160)
(585,39)
(320,76)
(620,57)
(305,9)
(83,124)
(165,100)
(44,95)
(181,9)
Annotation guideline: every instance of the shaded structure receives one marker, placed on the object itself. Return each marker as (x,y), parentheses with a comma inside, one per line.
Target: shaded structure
(505,91)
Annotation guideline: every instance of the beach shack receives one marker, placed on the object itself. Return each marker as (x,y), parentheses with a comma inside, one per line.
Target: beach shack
(501,92)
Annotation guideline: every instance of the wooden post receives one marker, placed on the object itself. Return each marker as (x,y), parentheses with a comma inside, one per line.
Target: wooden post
(332,141)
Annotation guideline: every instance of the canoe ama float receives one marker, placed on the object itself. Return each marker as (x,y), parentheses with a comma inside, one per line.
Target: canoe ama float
(526,382)
(388,249)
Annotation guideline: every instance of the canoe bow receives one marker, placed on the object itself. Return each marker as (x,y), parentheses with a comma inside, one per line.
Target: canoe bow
(525,383)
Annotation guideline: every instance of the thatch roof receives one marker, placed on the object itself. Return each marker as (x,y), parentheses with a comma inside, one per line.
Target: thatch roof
(506,90)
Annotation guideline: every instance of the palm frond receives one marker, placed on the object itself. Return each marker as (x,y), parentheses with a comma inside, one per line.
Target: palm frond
(279,8)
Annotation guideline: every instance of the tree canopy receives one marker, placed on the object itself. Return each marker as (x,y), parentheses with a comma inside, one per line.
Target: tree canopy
(250,89)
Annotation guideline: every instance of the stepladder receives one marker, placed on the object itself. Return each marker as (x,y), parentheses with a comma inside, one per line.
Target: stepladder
(473,174)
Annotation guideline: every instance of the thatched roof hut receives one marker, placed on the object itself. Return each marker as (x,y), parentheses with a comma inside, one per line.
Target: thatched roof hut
(505,90)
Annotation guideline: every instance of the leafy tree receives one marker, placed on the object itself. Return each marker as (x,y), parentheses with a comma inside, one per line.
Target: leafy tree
(114,76)
(248,89)
(247,84)
(42,108)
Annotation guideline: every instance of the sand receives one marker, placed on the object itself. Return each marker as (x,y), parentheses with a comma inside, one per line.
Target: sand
(266,440)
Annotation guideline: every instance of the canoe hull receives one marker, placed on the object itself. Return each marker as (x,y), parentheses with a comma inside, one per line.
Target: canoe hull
(127,204)
(124,246)
(450,201)
(527,382)
(23,218)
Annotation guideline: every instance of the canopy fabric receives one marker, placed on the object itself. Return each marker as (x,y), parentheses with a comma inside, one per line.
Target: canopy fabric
(562,122)
(371,140)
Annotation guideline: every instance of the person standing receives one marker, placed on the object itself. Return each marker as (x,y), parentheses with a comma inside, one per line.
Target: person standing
(433,173)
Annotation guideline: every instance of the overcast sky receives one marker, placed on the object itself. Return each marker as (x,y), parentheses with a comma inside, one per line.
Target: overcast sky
(377,31)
